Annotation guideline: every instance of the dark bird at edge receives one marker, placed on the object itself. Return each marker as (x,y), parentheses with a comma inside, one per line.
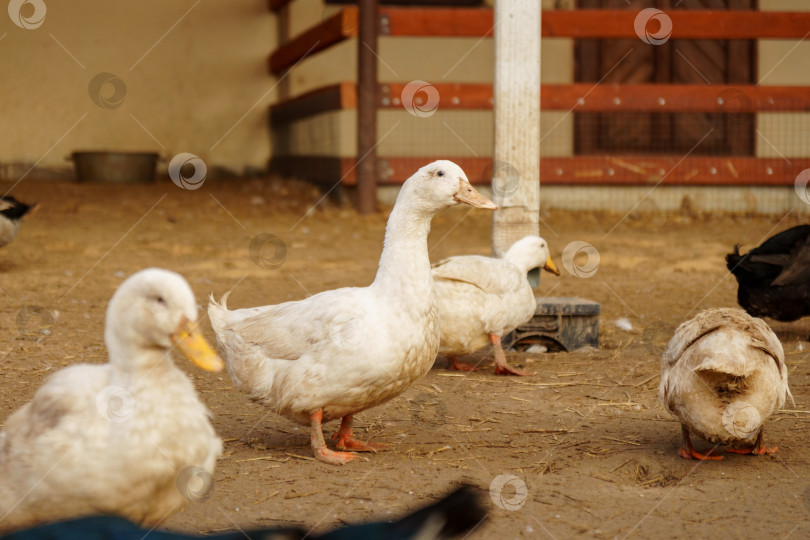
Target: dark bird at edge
(456,514)
(11,212)
(774,278)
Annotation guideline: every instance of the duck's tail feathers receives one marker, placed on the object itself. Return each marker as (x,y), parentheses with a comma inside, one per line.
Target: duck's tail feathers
(13,209)
(217,311)
(734,259)
(730,365)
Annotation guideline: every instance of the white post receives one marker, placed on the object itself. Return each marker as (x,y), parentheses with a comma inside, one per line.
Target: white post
(516,166)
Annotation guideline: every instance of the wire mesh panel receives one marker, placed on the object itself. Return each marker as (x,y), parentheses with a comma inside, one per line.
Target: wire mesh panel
(689,97)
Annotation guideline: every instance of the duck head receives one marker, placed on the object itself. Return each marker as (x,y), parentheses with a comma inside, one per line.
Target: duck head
(442,184)
(153,311)
(531,254)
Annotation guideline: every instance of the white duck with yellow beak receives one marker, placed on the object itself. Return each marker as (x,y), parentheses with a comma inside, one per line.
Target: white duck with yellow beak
(129,437)
(340,352)
(481,299)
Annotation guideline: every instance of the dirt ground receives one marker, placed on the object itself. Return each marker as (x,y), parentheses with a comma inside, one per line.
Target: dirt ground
(587,436)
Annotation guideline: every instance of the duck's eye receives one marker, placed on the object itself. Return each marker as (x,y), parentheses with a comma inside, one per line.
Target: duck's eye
(440,173)
(160,300)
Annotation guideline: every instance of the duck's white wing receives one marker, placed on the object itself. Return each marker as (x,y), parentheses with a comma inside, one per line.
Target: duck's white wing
(289,330)
(60,408)
(758,333)
(493,276)
(59,426)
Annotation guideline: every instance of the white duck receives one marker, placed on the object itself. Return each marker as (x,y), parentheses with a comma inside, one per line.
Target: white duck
(340,352)
(121,438)
(483,298)
(722,376)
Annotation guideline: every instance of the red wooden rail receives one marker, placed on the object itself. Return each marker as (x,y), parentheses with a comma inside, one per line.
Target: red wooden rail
(575,170)
(478,22)
(340,26)
(588,97)
(567,97)
(602,23)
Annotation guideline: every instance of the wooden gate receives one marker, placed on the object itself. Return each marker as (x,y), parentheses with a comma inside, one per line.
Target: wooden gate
(697,61)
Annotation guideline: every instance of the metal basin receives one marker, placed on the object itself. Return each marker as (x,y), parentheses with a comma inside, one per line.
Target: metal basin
(116,167)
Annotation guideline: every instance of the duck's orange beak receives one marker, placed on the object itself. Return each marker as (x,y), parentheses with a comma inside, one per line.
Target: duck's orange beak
(468,195)
(189,341)
(549,267)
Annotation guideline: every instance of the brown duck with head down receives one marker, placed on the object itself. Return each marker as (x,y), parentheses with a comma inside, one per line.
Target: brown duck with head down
(723,375)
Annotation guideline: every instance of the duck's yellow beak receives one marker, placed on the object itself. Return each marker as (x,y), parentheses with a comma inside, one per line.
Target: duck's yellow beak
(549,267)
(468,195)
(188,339)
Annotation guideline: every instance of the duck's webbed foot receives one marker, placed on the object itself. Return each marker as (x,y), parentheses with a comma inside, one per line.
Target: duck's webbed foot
(461,366)
(687,451)
(322,453)
(501,367)
(759,448)
(346,441)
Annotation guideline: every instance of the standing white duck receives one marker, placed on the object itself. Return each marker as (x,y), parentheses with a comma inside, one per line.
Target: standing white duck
(340,352)
(11,212)
(722,376)
(122,438)
(483,298)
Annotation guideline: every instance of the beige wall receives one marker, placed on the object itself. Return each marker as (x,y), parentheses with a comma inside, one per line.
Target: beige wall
(189,82)
(187,89)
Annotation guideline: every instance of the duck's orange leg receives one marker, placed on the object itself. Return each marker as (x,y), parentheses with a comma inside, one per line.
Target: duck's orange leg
(322,453)
(461,366)
(758,449)
(688,451)
(501,367)
(346,441)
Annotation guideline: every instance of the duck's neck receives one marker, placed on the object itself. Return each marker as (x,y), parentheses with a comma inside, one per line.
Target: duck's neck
(522,262)
(139,360)
(404,263)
